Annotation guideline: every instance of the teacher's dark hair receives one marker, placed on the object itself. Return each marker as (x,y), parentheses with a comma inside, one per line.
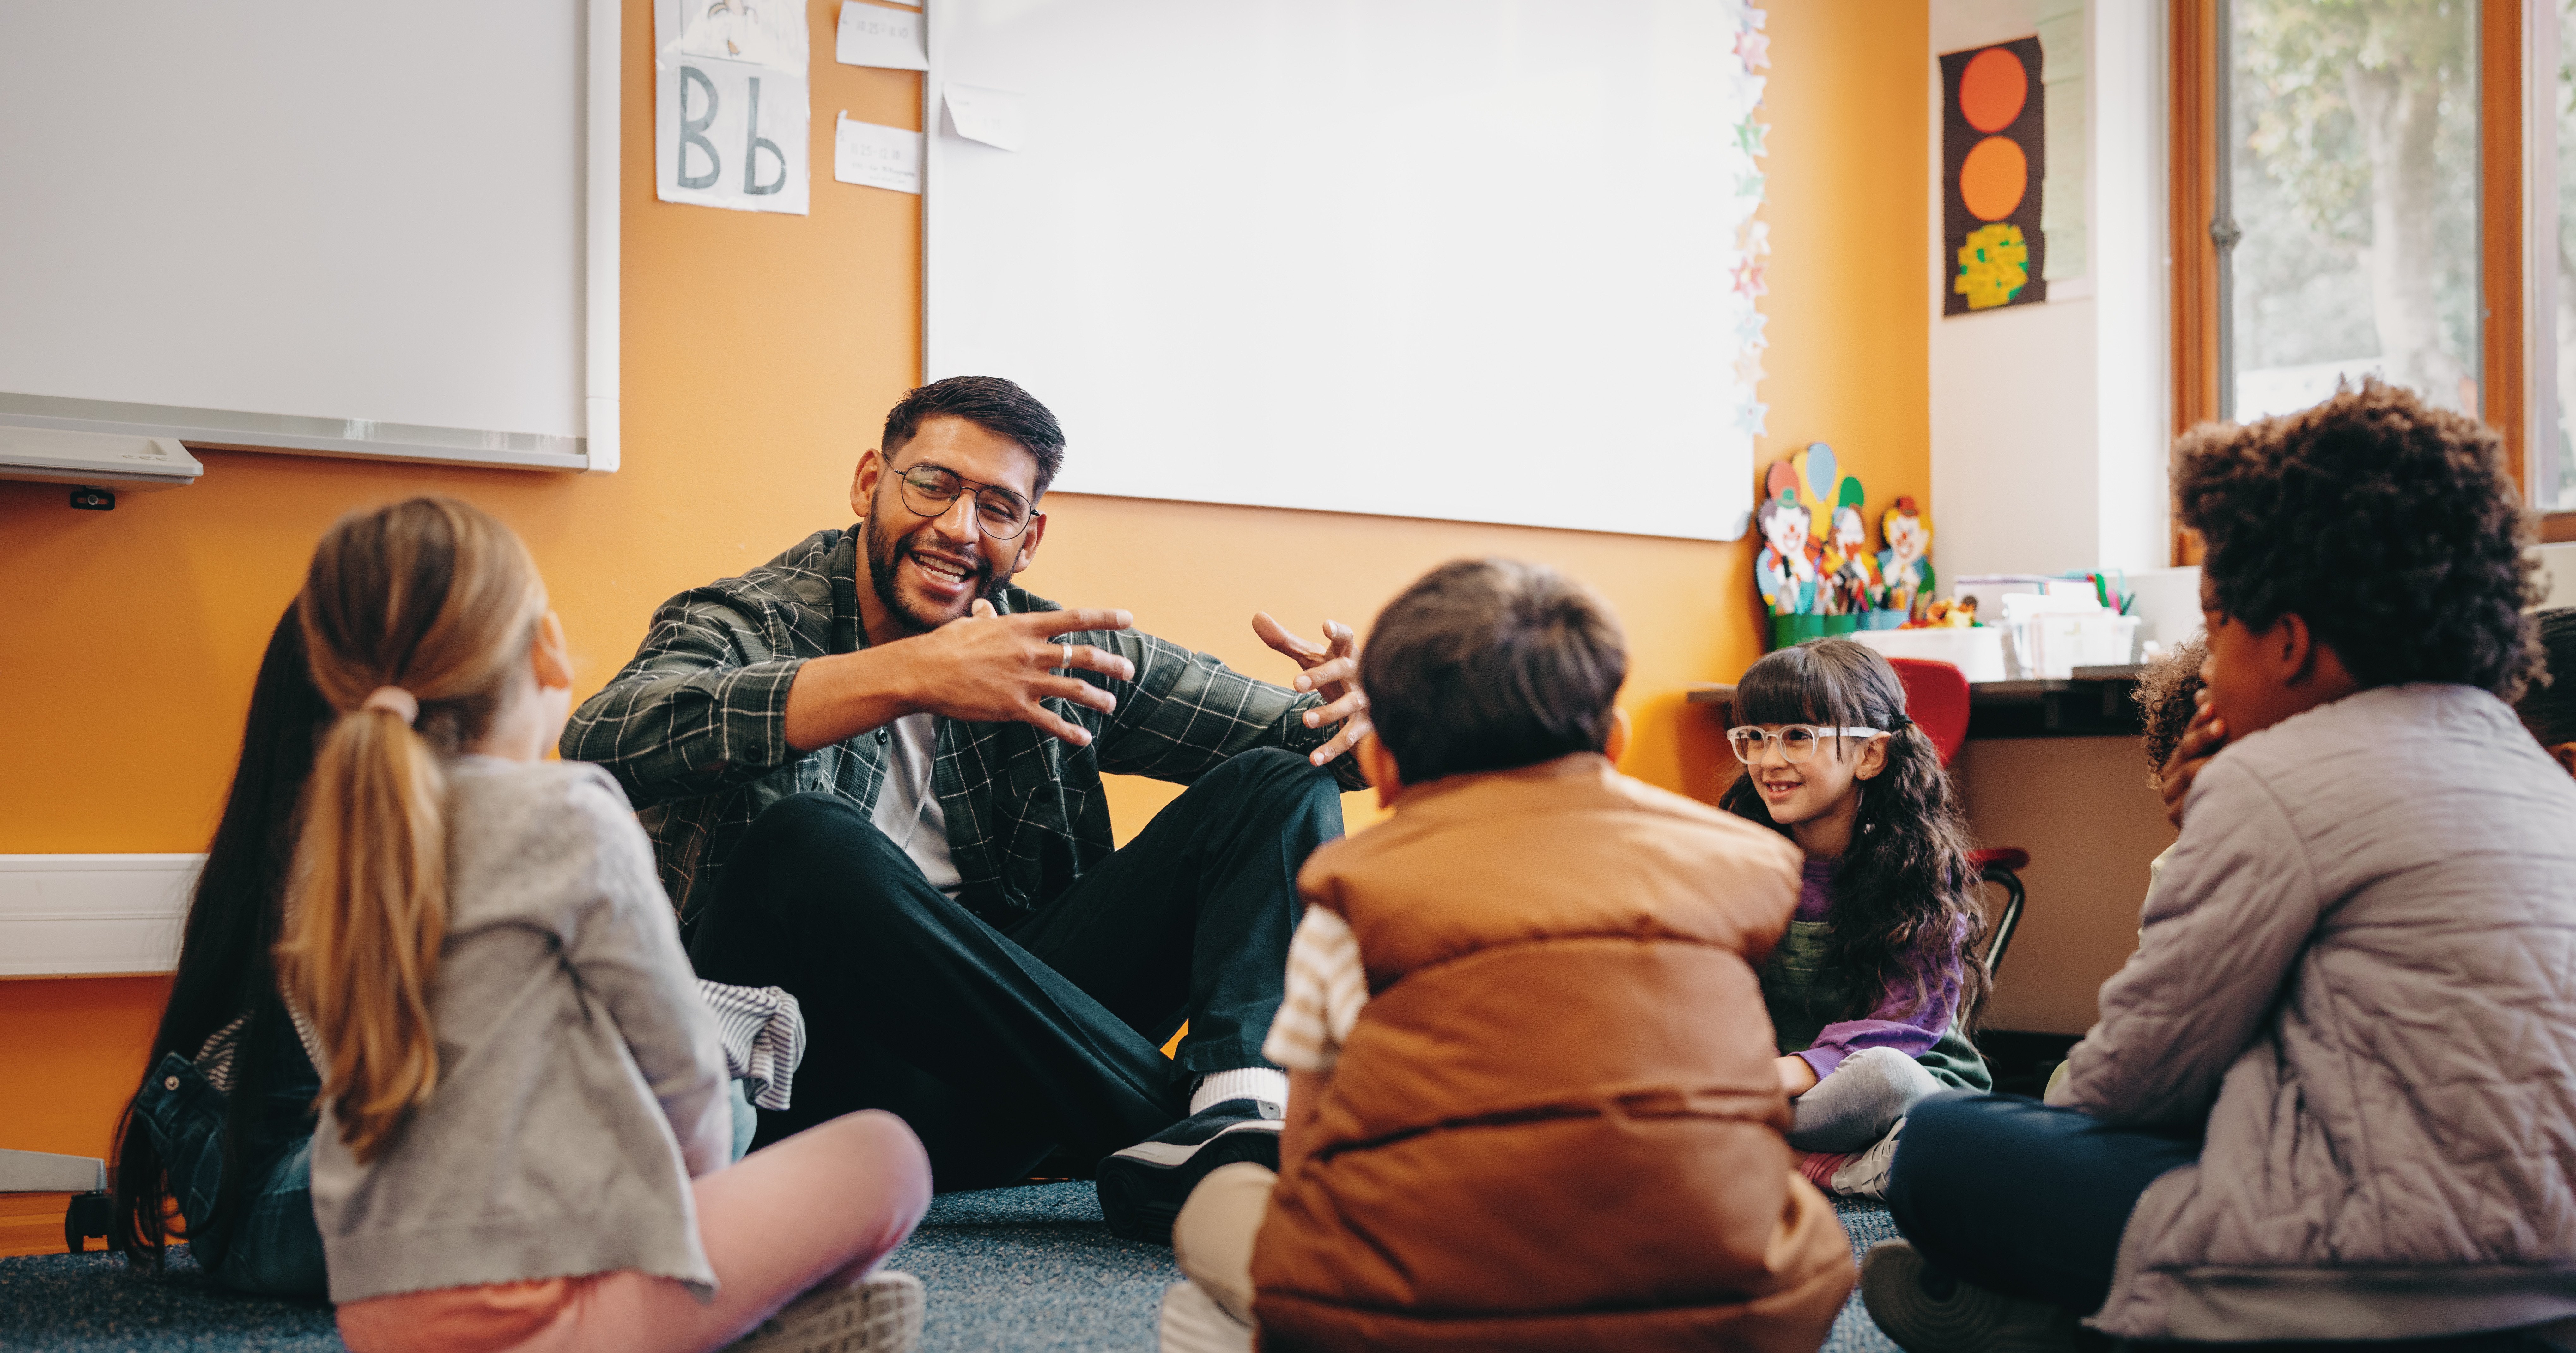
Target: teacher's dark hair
(989,402)
(1491,664)
(2387,525)
(225,969)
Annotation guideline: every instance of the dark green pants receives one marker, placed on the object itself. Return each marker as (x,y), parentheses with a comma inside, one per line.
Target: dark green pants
(996,1045)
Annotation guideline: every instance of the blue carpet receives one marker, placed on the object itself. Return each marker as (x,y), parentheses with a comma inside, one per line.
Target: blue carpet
(1026,1268)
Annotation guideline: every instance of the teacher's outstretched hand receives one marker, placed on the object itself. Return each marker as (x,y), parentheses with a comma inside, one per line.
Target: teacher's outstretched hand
(1331,668)
(981,667)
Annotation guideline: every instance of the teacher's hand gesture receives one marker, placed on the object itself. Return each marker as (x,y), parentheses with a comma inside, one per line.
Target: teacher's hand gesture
(980,667)
(985,667)
(1331,669)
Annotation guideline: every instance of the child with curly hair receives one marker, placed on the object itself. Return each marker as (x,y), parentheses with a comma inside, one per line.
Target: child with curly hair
(2548,708)
(2329,1097)
(1871,991)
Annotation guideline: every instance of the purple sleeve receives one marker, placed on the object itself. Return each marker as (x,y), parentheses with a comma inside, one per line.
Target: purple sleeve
(1910,1018)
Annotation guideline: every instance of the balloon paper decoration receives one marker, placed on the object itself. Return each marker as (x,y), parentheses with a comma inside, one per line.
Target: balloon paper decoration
(1993,156)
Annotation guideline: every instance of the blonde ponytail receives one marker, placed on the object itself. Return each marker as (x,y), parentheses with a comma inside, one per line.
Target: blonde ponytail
(414,615)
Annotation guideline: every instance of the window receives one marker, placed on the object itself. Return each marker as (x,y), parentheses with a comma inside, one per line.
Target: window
(2554,227)
(2350,176)
(2349,198)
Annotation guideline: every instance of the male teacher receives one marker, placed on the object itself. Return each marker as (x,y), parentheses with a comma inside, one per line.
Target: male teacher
(871,771)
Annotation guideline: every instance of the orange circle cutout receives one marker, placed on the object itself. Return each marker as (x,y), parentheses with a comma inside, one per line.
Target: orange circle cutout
(1992,89)
(1993,179)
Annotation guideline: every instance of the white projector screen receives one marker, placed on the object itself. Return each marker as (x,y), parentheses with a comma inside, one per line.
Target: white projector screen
(1464,259)
(314,225)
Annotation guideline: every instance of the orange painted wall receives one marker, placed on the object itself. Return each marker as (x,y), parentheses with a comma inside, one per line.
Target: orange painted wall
(133,634)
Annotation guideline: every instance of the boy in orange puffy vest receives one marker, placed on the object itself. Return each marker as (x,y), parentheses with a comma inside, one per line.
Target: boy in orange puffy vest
(1531,1102)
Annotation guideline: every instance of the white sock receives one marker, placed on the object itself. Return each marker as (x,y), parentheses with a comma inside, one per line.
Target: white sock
(1251,1082)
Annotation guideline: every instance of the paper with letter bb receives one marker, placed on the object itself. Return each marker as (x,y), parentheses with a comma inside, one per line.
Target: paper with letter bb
(729,95)
(876,156)
(872,35)
(991,116)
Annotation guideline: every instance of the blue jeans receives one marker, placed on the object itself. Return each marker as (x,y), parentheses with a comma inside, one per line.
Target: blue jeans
(2021,1198)
(271,1246)
(2018,1197)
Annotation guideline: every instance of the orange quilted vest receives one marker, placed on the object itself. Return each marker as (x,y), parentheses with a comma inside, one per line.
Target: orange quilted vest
(1557,1124)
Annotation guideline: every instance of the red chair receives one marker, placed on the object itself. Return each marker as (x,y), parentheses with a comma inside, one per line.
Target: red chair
(1936,698)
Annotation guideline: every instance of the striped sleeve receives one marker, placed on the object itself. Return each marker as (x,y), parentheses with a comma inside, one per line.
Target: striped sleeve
(214,1062)
(762,1031)
(1325,989)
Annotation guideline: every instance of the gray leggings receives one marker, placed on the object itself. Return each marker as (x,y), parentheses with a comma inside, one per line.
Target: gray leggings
(1857,1104)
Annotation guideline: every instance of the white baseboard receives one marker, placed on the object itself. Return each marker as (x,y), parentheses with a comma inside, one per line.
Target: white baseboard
(83,915)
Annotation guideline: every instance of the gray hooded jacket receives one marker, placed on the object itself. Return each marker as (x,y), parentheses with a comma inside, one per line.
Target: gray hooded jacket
(2359,965)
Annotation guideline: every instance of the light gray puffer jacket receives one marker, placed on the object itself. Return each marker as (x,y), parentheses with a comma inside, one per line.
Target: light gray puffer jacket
(2360,965)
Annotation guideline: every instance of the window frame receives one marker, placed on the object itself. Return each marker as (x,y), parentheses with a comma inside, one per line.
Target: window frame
(2509,208)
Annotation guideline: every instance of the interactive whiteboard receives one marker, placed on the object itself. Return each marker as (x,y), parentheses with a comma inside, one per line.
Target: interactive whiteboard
(1467,259)
(314,225)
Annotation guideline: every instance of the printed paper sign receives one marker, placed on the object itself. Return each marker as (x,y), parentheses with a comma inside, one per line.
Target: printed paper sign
(991,116)
(876,156)
(730,124)
(872,35)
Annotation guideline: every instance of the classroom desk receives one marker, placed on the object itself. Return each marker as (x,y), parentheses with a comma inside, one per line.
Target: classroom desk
(2094,702)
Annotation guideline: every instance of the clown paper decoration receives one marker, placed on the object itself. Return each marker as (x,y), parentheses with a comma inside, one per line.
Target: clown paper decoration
(1903,563)
(1786,567)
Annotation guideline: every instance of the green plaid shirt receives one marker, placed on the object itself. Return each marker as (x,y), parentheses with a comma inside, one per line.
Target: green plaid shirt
(695,728)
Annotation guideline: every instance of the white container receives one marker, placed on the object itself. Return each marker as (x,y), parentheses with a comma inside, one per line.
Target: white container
(1979,652)
(2055,645)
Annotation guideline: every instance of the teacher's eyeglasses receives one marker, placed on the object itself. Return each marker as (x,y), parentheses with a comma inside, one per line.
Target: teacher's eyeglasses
(1797,740)
(929,491)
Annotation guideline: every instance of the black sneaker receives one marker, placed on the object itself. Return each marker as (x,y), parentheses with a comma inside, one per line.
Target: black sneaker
(1142,1188)
(1927,1311)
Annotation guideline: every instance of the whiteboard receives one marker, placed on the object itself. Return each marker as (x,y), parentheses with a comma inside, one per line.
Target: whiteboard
(314,225)
(1464,259)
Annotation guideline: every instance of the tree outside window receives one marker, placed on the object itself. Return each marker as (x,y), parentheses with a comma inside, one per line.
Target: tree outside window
(2351,181)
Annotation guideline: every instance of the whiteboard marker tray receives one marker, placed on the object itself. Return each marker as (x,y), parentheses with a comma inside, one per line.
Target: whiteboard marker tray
(54,456)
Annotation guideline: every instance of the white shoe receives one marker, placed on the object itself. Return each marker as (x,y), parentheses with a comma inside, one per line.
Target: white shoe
(1865,1175)
(880,1313)
(1193,1322)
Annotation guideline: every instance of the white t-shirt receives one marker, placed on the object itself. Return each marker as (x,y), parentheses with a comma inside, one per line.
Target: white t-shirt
(1326,987)
(908,808)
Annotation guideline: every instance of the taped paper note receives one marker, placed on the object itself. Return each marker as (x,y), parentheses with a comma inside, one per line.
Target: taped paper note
(2061,48)
(729,30)
(2069,139)
(876,156)
(872,35)
(2067,259)
(991,116)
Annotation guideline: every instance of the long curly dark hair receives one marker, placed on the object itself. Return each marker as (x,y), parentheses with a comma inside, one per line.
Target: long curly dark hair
(1905,884)
(2391,527)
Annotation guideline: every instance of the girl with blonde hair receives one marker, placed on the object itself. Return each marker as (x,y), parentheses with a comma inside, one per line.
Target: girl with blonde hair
(524,1123)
